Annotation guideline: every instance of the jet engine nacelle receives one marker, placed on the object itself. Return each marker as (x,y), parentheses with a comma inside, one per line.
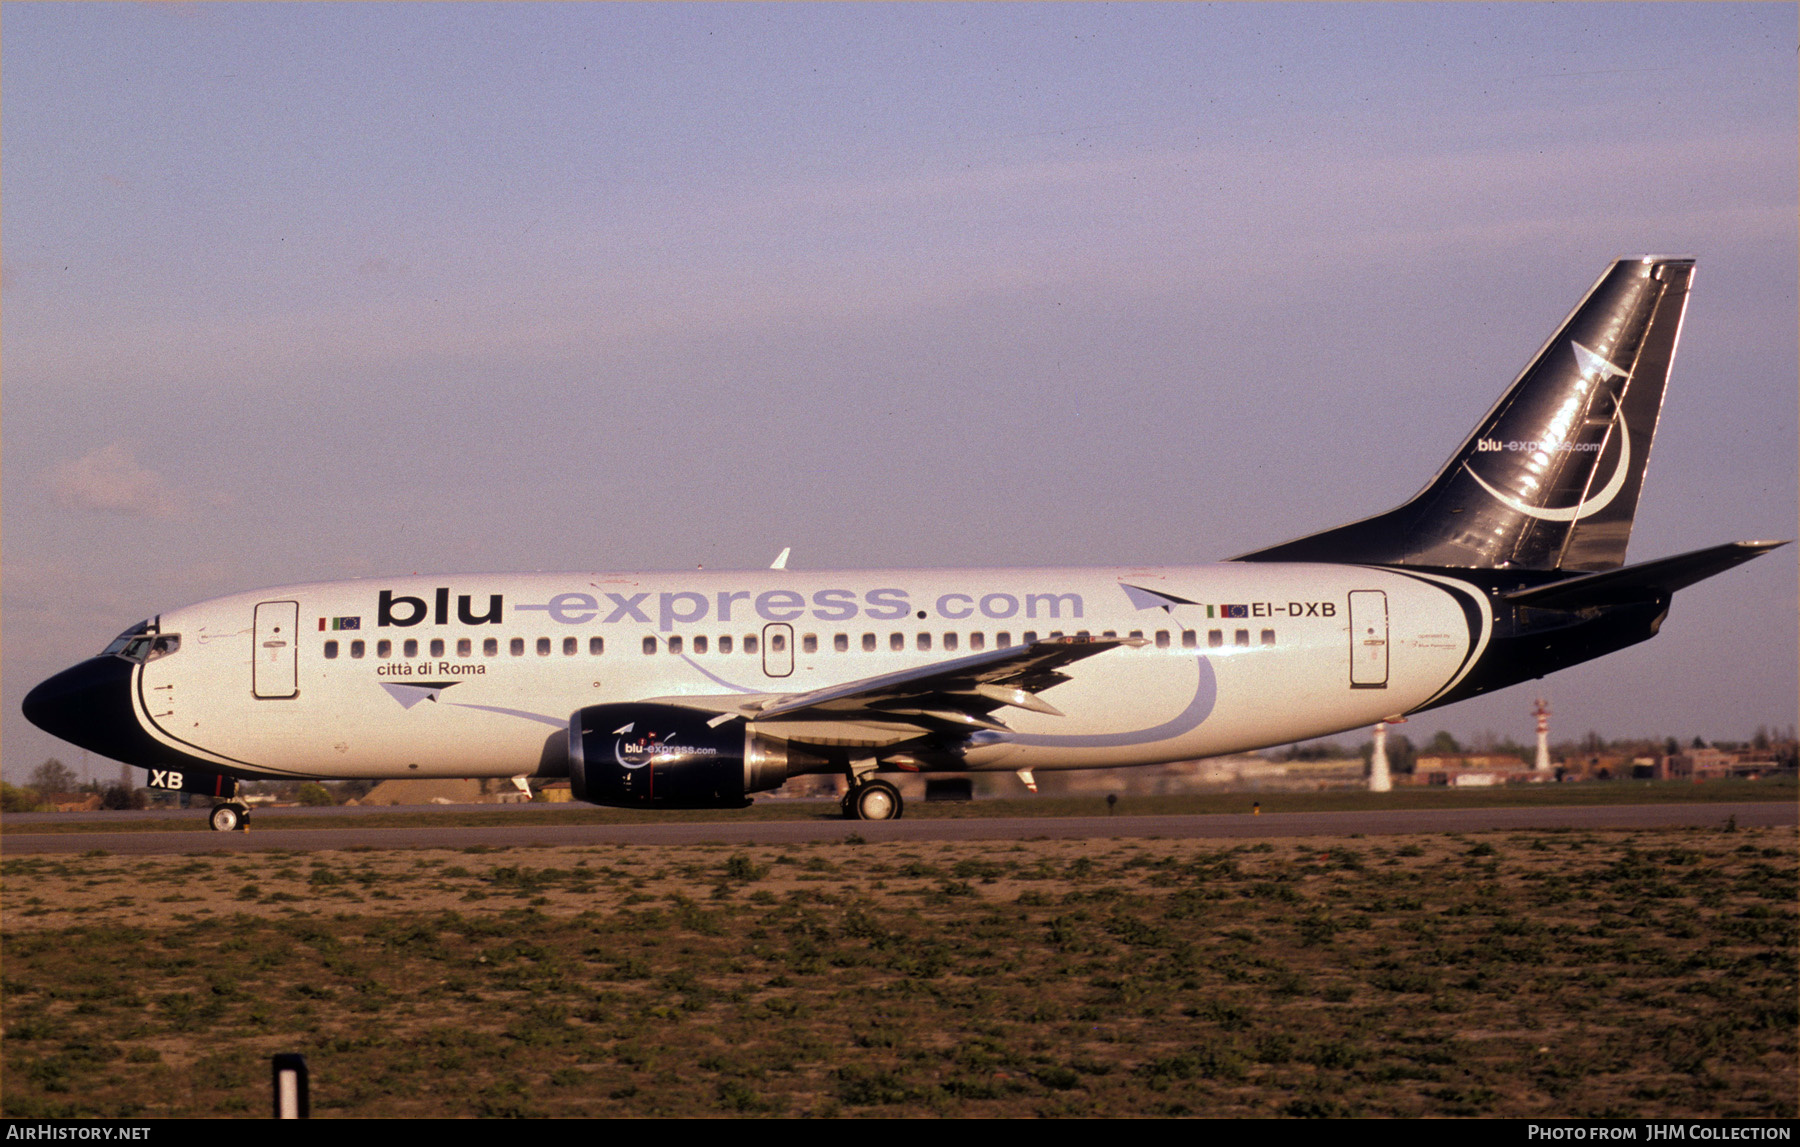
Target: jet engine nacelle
(665,756)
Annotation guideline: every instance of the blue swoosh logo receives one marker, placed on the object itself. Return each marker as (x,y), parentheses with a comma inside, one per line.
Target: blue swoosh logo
(702,670)
(1199,708)
(1206,695)
(542,718)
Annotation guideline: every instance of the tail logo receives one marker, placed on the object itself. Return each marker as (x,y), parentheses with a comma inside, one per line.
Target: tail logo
(1593,369)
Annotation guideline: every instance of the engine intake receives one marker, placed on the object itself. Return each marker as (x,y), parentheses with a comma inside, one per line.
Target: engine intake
(665,756)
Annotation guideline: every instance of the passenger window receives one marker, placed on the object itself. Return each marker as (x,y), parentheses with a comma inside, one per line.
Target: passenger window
(356,649)
(674,644)
(437,647)
(384,648)
(464,647)
(1084,635)
(1162,639)
(596,646)
(1214,639)
(543,646)
(490,646)
(331,651)
(1137,634)
(777,642)
(868,643)
(949,641)
(749,643)
(1002,640)
(977,641)
(1268,637)
(896,641)
(1110,634)
(649,646)
(725,644)
(1030,636)
(411,648)
(840,642)
(809,643)
(924,642)
(517,648)
(1189,638)
(1242,639)
(700,644)
(571,647)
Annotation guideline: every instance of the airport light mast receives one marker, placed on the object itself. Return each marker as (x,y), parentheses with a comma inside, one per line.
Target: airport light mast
(1541,710)
(1379,779)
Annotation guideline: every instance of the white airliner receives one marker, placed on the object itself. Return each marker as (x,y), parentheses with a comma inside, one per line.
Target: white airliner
(697,689)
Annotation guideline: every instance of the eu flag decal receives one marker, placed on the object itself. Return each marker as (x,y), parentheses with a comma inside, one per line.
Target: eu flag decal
(1234,611)
(340,623)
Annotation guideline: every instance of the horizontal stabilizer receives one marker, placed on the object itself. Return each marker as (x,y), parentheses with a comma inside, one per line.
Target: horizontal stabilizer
(1641,582)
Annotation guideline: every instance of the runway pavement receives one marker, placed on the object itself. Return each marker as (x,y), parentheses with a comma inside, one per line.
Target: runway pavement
(1378,823)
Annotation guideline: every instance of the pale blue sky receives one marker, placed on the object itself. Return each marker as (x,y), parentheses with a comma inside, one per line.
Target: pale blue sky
(312,291)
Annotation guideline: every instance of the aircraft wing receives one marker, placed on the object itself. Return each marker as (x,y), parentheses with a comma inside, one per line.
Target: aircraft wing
(962,692)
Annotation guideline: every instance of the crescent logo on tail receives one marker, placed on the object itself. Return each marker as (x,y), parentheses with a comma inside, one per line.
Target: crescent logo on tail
(1590,364)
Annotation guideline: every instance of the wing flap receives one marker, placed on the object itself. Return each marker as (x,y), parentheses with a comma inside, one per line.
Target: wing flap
(1017,672)
(945,697)
(957,696)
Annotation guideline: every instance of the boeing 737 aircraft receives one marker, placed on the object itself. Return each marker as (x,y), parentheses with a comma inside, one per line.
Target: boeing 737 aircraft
(699,688)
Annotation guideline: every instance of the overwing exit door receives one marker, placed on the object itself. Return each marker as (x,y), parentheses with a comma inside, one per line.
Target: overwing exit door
(778,650)
(276,671)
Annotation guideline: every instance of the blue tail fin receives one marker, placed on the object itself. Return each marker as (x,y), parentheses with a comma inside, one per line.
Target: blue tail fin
(1550,478)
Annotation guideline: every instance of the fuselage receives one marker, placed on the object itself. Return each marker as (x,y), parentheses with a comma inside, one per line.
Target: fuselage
(477,676)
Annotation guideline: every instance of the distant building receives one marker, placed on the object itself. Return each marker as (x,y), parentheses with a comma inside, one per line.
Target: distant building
(73,802)
(444,791)
(1598,766)
(1713,764)
(1243,773)
(1463,772)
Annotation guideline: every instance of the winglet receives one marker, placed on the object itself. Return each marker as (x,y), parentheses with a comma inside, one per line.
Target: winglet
(780,562)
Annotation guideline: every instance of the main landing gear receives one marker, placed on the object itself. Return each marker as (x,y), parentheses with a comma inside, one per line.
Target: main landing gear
(873,800)
(231,817)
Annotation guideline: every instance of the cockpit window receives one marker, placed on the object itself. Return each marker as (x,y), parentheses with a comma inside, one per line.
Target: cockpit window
(141,643)
(149,647)
(118,643)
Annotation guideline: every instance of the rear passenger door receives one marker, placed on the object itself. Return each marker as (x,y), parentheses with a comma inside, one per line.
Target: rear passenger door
(1368,639)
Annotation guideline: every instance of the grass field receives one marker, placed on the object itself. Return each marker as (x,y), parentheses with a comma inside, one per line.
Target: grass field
(1648,973)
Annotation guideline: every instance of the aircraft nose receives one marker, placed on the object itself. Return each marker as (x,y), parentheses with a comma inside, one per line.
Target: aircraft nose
(88,705)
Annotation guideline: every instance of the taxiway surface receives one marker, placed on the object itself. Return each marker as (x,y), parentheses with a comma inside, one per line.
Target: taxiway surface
(20,841)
